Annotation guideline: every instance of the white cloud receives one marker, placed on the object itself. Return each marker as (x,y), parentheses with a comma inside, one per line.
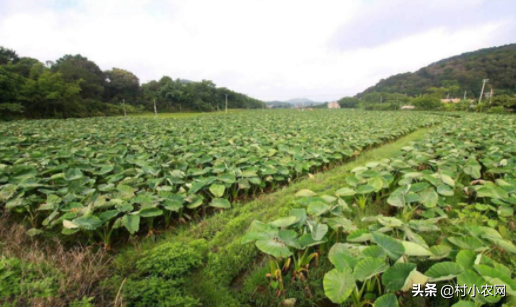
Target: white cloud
(267,49)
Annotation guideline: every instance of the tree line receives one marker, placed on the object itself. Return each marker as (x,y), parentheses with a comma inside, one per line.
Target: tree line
(74,86)
(430,100)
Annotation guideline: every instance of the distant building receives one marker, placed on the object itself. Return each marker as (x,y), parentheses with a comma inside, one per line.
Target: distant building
(407,107)
(333,105)
(451,100)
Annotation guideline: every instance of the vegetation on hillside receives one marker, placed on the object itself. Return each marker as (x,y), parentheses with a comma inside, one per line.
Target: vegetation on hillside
(466,71)
(74,86)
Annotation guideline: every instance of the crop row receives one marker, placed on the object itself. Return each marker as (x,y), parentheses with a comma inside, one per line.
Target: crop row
(102,175)
(441,212)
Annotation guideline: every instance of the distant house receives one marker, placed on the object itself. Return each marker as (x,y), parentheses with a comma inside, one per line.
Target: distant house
(333,105)
(407,107)
(451,100)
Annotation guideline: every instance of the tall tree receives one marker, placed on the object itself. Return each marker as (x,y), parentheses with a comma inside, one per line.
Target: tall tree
(8,56)
(121,84)
(47,94)
(75,68)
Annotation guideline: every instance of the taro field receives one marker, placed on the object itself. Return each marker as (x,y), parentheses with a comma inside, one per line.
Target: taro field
(264,208)
(102,177)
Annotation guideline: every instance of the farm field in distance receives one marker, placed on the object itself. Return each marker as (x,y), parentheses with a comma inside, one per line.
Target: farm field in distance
(180,208)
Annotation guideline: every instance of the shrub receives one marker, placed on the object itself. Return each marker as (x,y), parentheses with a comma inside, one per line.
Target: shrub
(427,102)
(497,110)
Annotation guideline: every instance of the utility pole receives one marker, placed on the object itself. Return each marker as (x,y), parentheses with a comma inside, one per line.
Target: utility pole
(381,98)
(155,109)
(123,103)
(226,103)
(465,94)
(482,92)
(491,96)
(179,108)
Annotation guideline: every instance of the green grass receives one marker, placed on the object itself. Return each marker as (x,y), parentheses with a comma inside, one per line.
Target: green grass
(228,258)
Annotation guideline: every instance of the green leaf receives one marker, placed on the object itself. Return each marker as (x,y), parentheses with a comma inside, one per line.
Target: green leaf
(429,198)
(317,208)
(340,257)
(387,300)
(341,222)
(7,191)
(196,187)
(305,193)
(338,285)
(104,170)
(34,232)
(131,222)
(394,278)
(319,231)
(397,198)
(376,183)
(466,259)
(151,212)
(448,180)
(73,174)
(220,203)
(360,235)
(444,190)
(194,201)
(390,221)
(468,243)
(285,221)
(374,251)
(274,247)
(217,190)
(440,251)
(392,247)
(365,189)
(444,271)
(344,192)
(369,267)
(504,244)
(126,191)
(88,222)
(413,249)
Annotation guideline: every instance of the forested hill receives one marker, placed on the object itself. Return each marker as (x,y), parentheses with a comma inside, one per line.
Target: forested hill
(75,86)
(498,64)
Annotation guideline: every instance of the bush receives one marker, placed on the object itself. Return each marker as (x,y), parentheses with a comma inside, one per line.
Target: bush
(348,102)
(497,110)
(10,111)
(154,292)
(427,102)
(171,260)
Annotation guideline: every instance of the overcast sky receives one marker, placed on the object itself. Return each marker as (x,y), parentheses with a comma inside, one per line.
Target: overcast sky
(271,50)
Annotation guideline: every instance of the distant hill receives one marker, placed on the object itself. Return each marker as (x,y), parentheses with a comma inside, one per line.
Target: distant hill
(292,103)
(498,64)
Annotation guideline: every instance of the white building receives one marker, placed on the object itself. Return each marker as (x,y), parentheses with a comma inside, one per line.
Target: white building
(333,105)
